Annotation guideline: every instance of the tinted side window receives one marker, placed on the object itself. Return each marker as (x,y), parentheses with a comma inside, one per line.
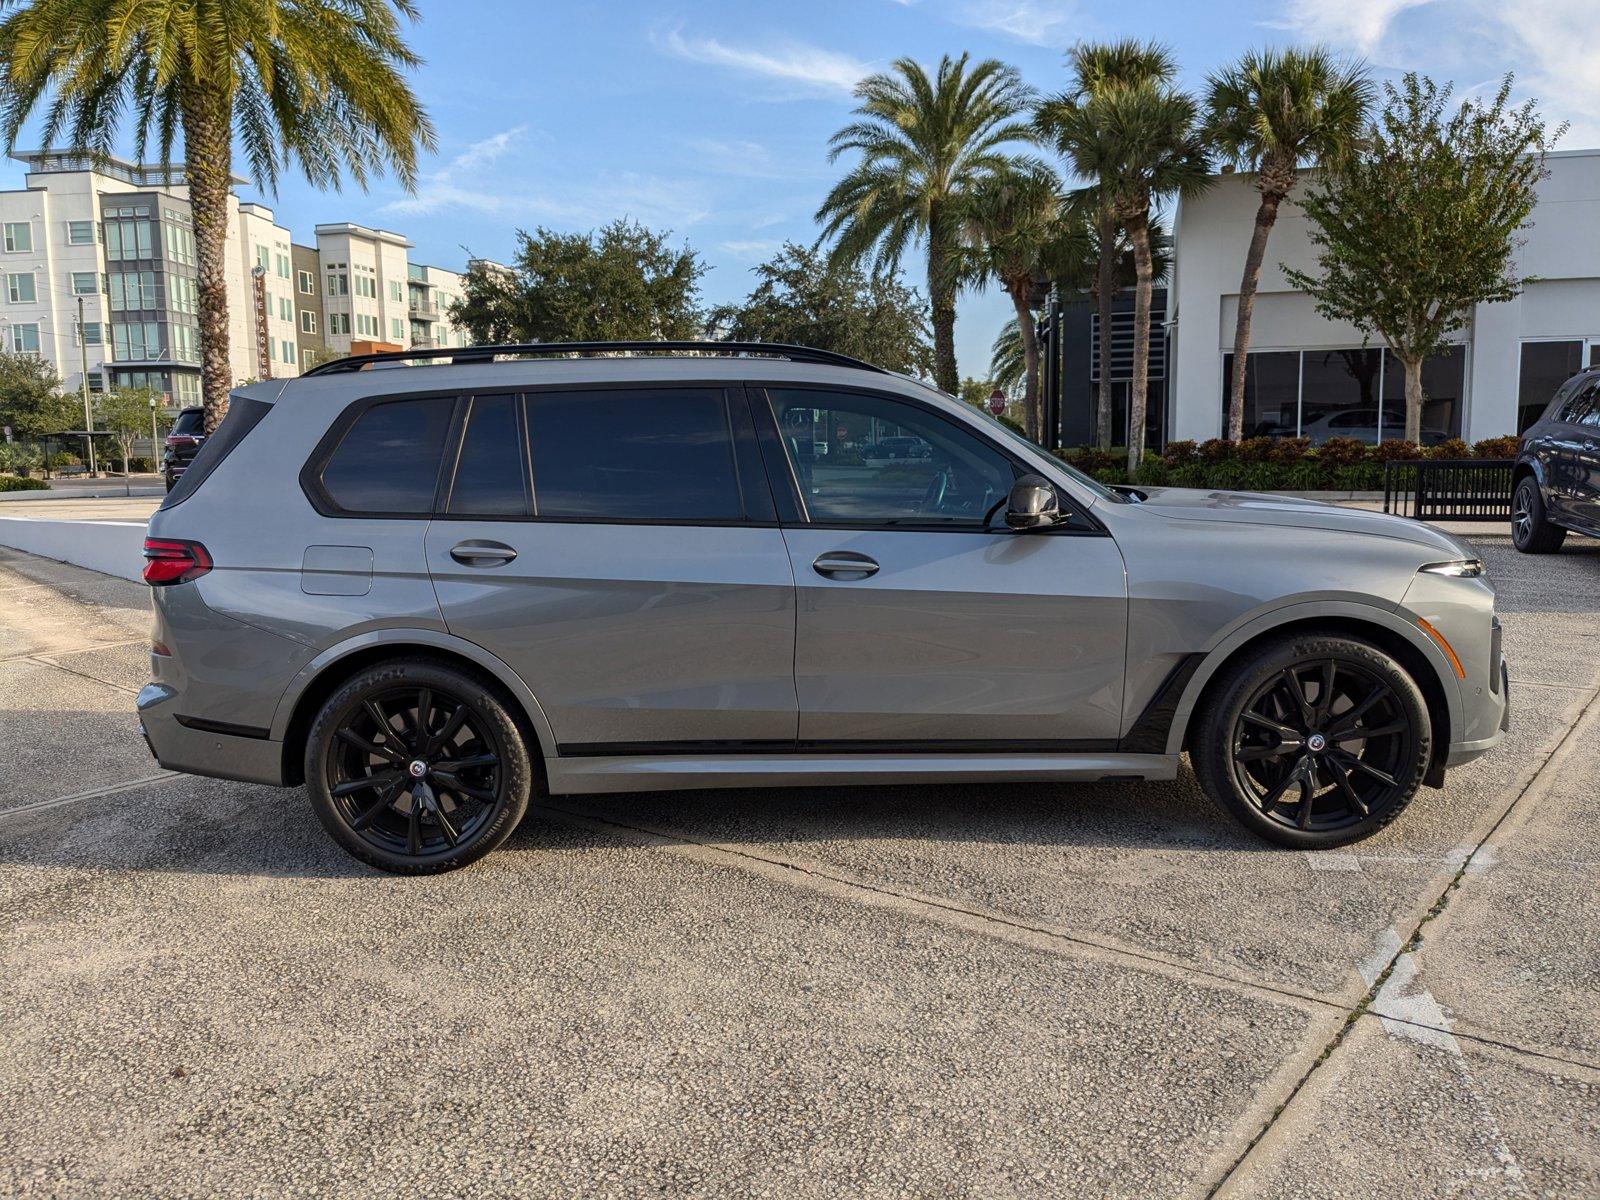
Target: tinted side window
(490,481)
(388,461)
(873,460)
(664,453)
(1581,405)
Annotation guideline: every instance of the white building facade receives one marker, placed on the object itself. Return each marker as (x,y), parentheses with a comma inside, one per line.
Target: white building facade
(118,236)
(1309,376)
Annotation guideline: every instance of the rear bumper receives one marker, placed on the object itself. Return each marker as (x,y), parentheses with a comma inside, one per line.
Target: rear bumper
(200,748)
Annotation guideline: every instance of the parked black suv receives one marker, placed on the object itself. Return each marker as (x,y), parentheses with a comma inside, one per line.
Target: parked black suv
(183,440)
(1555,485)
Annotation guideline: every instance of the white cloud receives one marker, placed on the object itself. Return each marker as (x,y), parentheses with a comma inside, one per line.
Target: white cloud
(1358,24)
(1037,22)
(810,68)
(750,249)
(446,188)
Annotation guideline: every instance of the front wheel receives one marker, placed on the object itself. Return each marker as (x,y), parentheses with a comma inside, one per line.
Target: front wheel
(1531,530)
(417,767)
(1313,741)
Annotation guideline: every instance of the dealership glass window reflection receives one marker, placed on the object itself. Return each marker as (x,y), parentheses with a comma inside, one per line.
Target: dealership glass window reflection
(1354,392)
(1545,367)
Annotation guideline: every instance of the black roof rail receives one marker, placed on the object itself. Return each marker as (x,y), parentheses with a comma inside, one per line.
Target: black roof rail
(488,353)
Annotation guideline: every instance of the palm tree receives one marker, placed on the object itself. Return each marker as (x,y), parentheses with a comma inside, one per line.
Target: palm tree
(924,143)
(1007,362)
(1020,237)
(1096,68)
(1143,143)
(320,83)
(1270,113)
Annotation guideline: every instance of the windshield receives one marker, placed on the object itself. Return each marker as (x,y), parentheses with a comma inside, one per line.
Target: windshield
(1094,485)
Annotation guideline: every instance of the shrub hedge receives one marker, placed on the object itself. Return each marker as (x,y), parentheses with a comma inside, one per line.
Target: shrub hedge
(1273,464)
(19,483)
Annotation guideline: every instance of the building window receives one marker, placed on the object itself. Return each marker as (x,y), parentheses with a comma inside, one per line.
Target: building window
(263,258)
(281,261)
(308,321)
(132,290)
(129,239)
(339,323)
(20,288)
(1354,393)
(394,290)
(1444,378)
(179,241)
(25,339)
(185,343)
(285,309)
(186,389)
(397,330)
(18,236)
(307,358)
(338,283)
(91,333)
(85,283)
(1545,367)
(80,233)
(132,341)
(366,286)
(286,351)
(305,283)
(182,294)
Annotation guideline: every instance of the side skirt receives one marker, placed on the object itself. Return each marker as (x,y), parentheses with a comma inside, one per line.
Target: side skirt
(664,772)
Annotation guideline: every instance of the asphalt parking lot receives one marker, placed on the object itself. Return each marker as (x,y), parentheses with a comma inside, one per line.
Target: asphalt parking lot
(994,990)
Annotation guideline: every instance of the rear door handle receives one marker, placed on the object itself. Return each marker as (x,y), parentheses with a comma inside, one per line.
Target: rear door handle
(844,564)
(476,553)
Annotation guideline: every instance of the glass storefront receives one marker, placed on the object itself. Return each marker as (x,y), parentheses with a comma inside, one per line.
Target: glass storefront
(1355,393)
(1545,367)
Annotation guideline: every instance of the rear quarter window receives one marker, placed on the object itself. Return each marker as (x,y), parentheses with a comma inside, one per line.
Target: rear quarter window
(387,462)
(243,415)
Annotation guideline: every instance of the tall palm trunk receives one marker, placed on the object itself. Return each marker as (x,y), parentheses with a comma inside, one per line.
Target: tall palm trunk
(1138,226)
(1105,291)
(1032,417)
(1266,217)
(942,300)
(208,163)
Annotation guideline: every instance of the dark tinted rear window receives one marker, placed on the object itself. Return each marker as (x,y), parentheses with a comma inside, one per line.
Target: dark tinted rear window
(665,454)
(388,461)
(489,476)
(190,421)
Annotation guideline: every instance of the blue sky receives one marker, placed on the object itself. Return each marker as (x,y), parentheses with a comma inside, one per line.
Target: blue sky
(712,118)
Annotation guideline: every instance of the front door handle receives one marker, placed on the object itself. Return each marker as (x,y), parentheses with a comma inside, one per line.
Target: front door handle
(844,564)
(477,553)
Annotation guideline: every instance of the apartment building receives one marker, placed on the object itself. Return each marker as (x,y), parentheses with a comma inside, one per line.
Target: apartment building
(118,236)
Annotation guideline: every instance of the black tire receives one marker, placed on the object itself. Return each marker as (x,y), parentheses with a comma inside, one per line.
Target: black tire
(1248,762)
(1531,530)
(360,756)
(170,482)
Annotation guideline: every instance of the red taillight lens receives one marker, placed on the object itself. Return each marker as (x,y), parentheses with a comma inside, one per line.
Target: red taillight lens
(169,560)
(178,439)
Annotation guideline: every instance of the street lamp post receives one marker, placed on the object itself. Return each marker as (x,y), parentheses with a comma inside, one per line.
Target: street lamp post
(88,417)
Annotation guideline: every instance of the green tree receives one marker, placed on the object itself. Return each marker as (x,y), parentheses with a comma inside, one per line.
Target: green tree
(320,83)
(1099,67)
(803,300)
(1006,360)
(1425,222)
(125,412)
(30,398)
(1271,113)
(620,283)
(924,142)
(1022,238)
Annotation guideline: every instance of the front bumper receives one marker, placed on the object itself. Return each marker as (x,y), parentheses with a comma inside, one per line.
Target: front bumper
(1465,752)
(181,742)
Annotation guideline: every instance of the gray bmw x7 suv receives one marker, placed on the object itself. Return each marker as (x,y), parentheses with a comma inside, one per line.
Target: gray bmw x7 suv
(428,591)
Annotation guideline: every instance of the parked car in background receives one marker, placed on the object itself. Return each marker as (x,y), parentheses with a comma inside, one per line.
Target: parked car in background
(181,444)
(897,447)
(1358,423)
(536,571)
(1555,484)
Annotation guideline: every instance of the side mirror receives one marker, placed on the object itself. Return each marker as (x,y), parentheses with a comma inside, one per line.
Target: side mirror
(1033,504)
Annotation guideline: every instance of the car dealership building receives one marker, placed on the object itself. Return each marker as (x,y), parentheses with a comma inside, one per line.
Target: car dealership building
(1309,376)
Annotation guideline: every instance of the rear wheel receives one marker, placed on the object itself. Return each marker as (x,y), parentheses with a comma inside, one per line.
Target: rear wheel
(417,767)
(1313,741)
(1531,530)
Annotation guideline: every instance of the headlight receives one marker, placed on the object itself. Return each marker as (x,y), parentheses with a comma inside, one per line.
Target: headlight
(1462,568)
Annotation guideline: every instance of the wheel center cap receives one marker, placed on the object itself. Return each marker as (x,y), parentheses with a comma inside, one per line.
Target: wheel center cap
(1316,743)
(417,768)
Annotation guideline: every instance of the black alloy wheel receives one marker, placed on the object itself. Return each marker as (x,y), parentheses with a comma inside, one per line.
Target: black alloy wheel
(1531,530)
(416,767)
(1313,741)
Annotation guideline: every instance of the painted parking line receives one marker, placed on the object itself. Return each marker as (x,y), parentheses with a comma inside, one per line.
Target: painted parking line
(110,789)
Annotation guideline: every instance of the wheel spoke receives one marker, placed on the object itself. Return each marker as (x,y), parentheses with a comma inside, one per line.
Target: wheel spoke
(1271,797)
(1360,732)
(1308,794)
(1282,731)
(451,728)
(389,734)
(1353,763)
(1297,693)
(381,780)
(449,830)
(1325,695)
(1258,753)
(1342,778)
(368,816)
(461,789)
(414,826)
(424,717)
(361,743)
(452,765)
(1350,716)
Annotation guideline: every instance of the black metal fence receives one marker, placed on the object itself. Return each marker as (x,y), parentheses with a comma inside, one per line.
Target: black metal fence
(1451,489)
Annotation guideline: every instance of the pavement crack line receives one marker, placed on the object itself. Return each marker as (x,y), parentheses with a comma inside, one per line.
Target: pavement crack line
(1382,967)
(110,789)
(48,661)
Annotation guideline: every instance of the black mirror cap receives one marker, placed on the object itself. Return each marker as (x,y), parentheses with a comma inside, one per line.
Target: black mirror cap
(1033,504)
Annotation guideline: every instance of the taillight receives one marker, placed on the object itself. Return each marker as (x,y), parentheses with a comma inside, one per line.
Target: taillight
(171,560)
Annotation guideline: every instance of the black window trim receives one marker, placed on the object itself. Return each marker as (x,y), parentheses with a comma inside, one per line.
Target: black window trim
(731,393)
(798,515)
(456,444)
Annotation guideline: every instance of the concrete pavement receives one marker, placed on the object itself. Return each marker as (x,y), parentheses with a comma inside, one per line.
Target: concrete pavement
(1001,990)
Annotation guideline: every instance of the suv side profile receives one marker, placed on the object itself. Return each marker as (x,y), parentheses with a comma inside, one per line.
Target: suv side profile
(429,592)
(1555,484)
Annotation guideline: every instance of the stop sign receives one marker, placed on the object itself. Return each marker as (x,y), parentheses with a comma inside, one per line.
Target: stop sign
(997,402)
